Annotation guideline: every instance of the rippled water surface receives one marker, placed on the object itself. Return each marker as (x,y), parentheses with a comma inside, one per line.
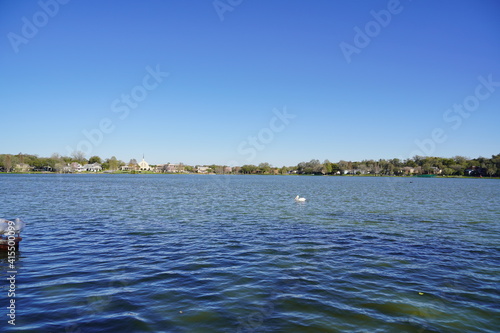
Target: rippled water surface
(197,253)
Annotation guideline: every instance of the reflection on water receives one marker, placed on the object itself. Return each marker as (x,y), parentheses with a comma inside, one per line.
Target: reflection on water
(187,253)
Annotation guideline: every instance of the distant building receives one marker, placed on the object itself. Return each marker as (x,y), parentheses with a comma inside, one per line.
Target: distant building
(95,167)
(409,170)
(75,166)
(23,167)
(72,167)
(143,165)
(159,168)
(475,171)
(436,170)
(202,169)
(359,172)
(170,168)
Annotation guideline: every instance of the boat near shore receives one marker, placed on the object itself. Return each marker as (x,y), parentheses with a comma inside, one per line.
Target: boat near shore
(5,243)
(10,234)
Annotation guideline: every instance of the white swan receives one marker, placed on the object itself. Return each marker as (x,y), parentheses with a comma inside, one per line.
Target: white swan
(298,199)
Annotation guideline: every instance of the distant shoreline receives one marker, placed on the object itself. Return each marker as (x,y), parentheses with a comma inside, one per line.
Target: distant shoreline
(240,174)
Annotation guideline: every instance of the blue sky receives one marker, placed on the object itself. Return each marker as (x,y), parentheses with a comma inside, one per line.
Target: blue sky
(250,81)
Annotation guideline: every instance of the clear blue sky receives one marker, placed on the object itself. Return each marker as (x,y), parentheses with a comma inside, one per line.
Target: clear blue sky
(231,68)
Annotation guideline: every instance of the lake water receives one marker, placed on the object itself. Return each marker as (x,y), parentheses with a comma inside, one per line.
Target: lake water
(199,253)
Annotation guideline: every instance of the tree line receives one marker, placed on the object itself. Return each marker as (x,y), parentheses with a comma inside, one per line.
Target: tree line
(418,165)
(55,163)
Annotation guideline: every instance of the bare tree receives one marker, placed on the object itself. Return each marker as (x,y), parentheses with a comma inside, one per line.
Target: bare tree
(79,156)
(8,163)
(55,156)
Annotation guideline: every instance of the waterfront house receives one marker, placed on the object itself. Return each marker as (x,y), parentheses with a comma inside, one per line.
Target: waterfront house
(95,167)
(475,171)
(409,170)
(202,169)
(23,167)
(170,168)
(436,171)
(129,167)
(72,167)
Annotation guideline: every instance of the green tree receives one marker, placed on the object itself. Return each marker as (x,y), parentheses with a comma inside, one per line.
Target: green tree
(427,169)
(410,163)
(79,156)
(36,162)
(311,167)
(113,163)
(390,168)
(316,166)
(418,160)
(66,159)
(448,171)
(248,168)
(459,169)
(396,162)
(491,170)
(95,159)
(461,160)
(265,168)
(335,168)
(327,167)
(495,161)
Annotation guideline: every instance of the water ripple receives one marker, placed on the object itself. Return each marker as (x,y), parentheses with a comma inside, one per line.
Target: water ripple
(154,253)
